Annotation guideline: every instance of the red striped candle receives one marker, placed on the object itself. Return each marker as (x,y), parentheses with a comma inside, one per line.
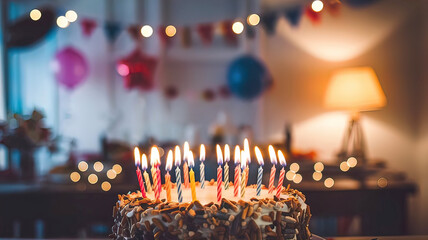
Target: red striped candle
(219,173)
(282,173)
(273,169)
(138,171)
(237,171)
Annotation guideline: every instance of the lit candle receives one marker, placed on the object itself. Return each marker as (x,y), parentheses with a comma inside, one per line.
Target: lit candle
(145,174)
(186,150)
(219,172)
(226,166)
(192,174)
(248,159)
(281,174)
(260,171)
(168,167)
(202,166)
(154,156)
(273,169)
(237,171)
(178,173)
(243,165)
(140,178)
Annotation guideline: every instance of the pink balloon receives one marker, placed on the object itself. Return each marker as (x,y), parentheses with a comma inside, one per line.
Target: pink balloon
(71,67)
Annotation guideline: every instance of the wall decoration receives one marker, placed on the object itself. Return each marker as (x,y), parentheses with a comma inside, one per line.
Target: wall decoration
(206,33)
(88,26)
(269,22)
(26,31)
(137,70)
(293,15)
(70,67)
(247,77)
(112,30)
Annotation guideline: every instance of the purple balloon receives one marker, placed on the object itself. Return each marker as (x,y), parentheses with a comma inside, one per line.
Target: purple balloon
(71,68)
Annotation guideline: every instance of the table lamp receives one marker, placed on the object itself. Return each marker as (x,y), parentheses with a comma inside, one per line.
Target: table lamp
(356,90)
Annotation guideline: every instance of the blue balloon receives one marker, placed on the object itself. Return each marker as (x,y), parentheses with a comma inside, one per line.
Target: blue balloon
(247,77)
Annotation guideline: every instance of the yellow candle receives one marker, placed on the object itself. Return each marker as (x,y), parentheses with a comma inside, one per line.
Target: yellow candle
(192,176)
(144,164)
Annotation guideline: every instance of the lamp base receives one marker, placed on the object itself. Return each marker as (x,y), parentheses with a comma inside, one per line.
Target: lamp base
(353,144)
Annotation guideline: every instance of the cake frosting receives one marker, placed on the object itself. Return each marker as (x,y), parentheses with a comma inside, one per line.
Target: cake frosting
(250,217)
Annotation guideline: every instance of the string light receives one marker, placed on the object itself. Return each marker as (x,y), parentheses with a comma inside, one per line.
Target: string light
(92,178)
(329,182)
(82,166)
(297,178)
(290,175)
(35,14)
(317,5)
(111,174)
(253,19)
(98,166)
(294,167)
(75,176)
(170,31)
(146,31)
(382,182)
(71,16)
(105,186)
(344,166)
(62,22)
(237,27)
(117,168)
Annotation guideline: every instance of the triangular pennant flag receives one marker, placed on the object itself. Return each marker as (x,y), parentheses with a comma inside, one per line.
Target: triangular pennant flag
(166,40)
(186,37)
(315,17)
(88,26)
(333,7)
(206,32)
(112,30)
(250,31)
(134,32)
(293,15)
(228,34)
(269,22)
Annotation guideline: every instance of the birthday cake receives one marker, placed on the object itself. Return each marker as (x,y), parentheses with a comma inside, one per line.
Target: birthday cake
(250,217)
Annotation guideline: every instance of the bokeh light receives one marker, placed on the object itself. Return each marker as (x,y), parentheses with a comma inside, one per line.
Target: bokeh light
(62,22)
(117,168)
(122,69)
(317,6)
(294,167)
(382,182)
(317,176)
(98,166)
(105,186)
(319,167)
(297,178)
(71,16)
(82,166)
(92,178)
(146,31)
(290,175)
(352,162)
(75,176)
(344,166)
(253,19)
(237,27)
(329,182)
(170,31)
(111,174)
(35,14)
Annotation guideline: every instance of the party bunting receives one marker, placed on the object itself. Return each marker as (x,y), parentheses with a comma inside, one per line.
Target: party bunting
(112,31)
(134,32)
(293,15)
(206,33)
(269,22)
(88,26)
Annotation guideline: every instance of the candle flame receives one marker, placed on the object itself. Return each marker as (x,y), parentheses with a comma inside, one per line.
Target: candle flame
(169,160)
(190,159)
(237,155)
(154,157)
(272,155)
(177,156)
(219,155)
(243,162)
(137,156)
(281,158)
(186,149)
(202,153)
(247,149)
(226,153)
(144,162)
(259,156)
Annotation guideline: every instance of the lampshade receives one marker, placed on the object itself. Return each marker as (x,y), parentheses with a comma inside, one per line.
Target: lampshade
(356,89)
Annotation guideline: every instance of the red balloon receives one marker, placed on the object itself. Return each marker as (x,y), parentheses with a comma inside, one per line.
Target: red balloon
(137,70)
